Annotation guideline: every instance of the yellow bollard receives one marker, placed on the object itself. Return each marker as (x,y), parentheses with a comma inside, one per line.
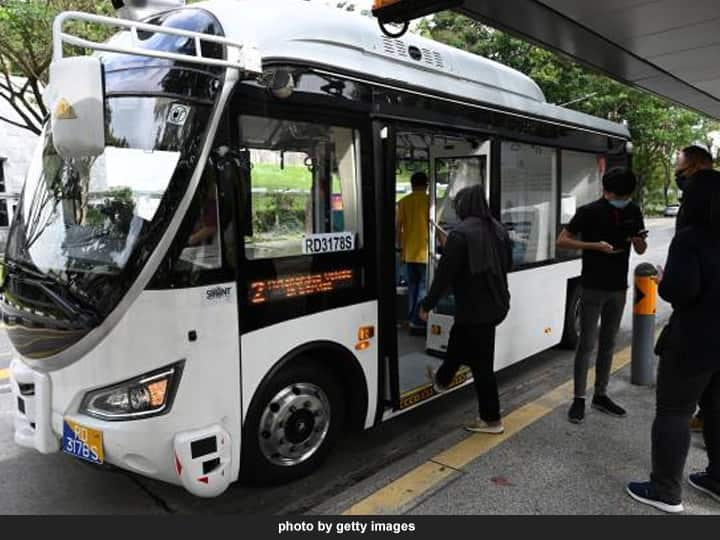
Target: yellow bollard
(643,335)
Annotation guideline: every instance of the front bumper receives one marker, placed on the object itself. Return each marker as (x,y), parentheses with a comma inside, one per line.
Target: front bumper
(205,474)
(33,408)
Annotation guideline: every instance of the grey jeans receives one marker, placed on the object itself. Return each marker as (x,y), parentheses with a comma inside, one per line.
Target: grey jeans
(606,307)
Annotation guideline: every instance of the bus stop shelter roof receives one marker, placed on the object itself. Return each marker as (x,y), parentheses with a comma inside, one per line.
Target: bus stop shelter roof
(667,47)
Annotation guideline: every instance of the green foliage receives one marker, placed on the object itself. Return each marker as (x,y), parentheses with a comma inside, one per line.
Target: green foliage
(269,176)
(658,129)
(115,213)
(279,213)
(26,51)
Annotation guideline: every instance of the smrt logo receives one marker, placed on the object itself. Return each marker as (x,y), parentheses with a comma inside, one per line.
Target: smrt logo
(218,293)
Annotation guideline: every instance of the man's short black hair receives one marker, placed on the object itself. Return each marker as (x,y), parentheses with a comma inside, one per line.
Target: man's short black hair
(698,155)
(620,181)
(419,179)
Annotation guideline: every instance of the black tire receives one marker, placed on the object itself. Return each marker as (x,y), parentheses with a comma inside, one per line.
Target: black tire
(571,328)
(257,467)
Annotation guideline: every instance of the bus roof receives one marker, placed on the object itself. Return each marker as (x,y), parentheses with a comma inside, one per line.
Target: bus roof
(299,31)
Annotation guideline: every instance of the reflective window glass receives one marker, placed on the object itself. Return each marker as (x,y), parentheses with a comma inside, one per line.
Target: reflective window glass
(528,200)
(581,181)
(305,188)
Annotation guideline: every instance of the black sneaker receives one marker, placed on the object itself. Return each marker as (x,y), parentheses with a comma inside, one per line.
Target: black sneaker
(576,414)
(608,406)
(645,493)
(702,482)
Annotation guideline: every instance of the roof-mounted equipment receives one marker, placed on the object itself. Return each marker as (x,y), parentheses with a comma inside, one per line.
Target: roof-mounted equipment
(403,11)
(75,94)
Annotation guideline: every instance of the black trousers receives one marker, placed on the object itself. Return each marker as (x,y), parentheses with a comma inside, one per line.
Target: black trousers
(474,346)
(678,394)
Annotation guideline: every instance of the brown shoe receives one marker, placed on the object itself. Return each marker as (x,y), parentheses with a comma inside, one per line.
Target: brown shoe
(481,426)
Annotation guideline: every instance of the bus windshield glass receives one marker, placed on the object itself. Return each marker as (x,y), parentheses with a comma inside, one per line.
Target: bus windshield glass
(85,217)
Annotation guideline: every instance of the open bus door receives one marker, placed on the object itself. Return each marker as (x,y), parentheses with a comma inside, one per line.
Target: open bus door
(452,167)
(453,162)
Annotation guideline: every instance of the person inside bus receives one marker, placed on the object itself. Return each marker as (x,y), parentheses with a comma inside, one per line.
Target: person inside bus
(694,169)
(476,260)
(207,225)
(689,366)
(604,231)
(413,219)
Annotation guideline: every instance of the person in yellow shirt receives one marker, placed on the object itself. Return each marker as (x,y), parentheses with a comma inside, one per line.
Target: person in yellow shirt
(413,215)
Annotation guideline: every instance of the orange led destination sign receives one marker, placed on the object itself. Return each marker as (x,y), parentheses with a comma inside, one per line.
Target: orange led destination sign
(300,285)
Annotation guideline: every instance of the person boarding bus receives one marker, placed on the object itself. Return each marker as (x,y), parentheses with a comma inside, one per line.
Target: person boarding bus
(475,263)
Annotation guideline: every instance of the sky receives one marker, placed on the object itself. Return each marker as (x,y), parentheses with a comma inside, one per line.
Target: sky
(361,4)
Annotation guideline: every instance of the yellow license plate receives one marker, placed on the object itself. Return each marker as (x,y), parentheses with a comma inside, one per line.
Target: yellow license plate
(83,442)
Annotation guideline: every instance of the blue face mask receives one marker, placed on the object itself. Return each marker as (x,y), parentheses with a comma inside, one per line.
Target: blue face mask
(620,203)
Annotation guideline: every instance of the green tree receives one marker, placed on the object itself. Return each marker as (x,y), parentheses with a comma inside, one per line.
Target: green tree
(657,128)
(26,52)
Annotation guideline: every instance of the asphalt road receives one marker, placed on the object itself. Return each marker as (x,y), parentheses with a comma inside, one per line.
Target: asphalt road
(31,483)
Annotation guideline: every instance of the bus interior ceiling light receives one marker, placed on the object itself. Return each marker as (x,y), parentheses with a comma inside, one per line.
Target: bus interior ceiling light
(403,11)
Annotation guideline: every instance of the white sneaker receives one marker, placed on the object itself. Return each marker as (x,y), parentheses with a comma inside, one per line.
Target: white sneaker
(481,426)
(431,374)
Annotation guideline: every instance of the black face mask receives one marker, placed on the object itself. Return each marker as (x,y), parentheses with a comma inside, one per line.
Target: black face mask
(681,179)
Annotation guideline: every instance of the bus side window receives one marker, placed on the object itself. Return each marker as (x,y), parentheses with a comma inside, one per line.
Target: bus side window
(197,254)
(202,248)
(304,181)
(529,203)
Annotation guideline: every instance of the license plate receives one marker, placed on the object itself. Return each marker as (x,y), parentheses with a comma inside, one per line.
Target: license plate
(83,442)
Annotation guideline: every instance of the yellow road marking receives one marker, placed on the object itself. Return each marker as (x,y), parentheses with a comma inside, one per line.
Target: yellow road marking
(4,374)
(403,490)
(475,446)
(391,498)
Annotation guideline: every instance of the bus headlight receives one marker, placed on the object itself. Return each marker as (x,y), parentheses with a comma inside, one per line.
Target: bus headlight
(144,396)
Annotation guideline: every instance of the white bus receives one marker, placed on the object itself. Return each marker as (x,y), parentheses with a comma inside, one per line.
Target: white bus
(209,293)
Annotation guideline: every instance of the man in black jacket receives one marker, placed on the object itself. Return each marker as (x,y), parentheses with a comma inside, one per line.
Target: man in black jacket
(605,231)
(689,368)
(475,262)
(694,172)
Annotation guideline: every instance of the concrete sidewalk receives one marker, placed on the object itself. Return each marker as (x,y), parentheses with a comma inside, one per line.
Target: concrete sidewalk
(544,465)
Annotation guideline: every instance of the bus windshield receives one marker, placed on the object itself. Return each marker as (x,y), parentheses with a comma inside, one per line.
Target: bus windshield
(85,217)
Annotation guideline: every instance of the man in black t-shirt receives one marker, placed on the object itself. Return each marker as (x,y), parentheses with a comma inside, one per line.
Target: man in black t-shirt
(605,231)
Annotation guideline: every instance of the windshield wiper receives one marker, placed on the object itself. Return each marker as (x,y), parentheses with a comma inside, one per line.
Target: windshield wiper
(80,308)
(88,314)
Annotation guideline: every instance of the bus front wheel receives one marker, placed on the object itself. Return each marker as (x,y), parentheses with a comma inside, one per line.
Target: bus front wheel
(292,424)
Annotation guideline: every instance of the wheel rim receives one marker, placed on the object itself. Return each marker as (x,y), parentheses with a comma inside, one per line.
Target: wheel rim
(294,424)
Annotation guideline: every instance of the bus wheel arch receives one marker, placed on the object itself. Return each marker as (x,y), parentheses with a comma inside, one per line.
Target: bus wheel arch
(321,378)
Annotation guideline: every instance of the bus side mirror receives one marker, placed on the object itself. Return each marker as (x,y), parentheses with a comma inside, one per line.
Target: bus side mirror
(77,105)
